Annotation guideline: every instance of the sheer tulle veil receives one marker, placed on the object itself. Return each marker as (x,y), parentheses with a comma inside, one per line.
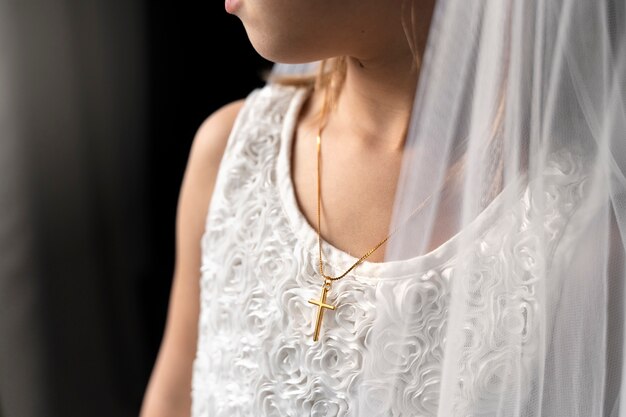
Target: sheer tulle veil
(518,138)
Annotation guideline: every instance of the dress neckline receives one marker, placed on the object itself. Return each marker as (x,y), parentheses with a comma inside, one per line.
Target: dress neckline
(339,260)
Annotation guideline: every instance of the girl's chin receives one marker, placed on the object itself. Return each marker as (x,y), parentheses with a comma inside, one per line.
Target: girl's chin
(232,6)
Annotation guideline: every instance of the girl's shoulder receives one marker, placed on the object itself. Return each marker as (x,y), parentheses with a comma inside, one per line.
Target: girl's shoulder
(267,104)
(212,136)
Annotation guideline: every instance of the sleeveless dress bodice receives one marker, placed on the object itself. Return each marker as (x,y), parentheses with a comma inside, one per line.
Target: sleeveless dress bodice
(255,353)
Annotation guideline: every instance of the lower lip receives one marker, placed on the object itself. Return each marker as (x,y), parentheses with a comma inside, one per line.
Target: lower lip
(231,6)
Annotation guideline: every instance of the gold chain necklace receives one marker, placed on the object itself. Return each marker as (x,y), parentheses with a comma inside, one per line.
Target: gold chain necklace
(321,304)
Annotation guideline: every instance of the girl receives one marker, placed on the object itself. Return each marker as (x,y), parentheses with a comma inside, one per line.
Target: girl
(501,212)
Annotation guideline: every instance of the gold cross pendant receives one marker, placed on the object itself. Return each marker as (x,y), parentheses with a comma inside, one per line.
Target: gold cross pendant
(321,305)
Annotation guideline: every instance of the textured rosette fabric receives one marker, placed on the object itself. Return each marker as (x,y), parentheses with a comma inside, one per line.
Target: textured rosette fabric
(255,352)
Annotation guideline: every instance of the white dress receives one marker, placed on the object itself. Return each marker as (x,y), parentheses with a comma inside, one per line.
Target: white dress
(255,354)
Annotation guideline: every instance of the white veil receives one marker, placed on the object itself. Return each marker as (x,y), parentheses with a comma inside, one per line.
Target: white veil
(518,140)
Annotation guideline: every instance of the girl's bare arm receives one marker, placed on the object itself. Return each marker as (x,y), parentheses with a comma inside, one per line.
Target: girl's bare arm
(169,390)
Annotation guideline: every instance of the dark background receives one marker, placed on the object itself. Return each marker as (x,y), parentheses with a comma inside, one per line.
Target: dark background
(99,103)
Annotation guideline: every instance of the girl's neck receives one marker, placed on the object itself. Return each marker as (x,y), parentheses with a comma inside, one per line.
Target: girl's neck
(376,99)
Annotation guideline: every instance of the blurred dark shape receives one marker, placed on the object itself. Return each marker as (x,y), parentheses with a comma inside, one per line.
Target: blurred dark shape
(99,101)
(76,118)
